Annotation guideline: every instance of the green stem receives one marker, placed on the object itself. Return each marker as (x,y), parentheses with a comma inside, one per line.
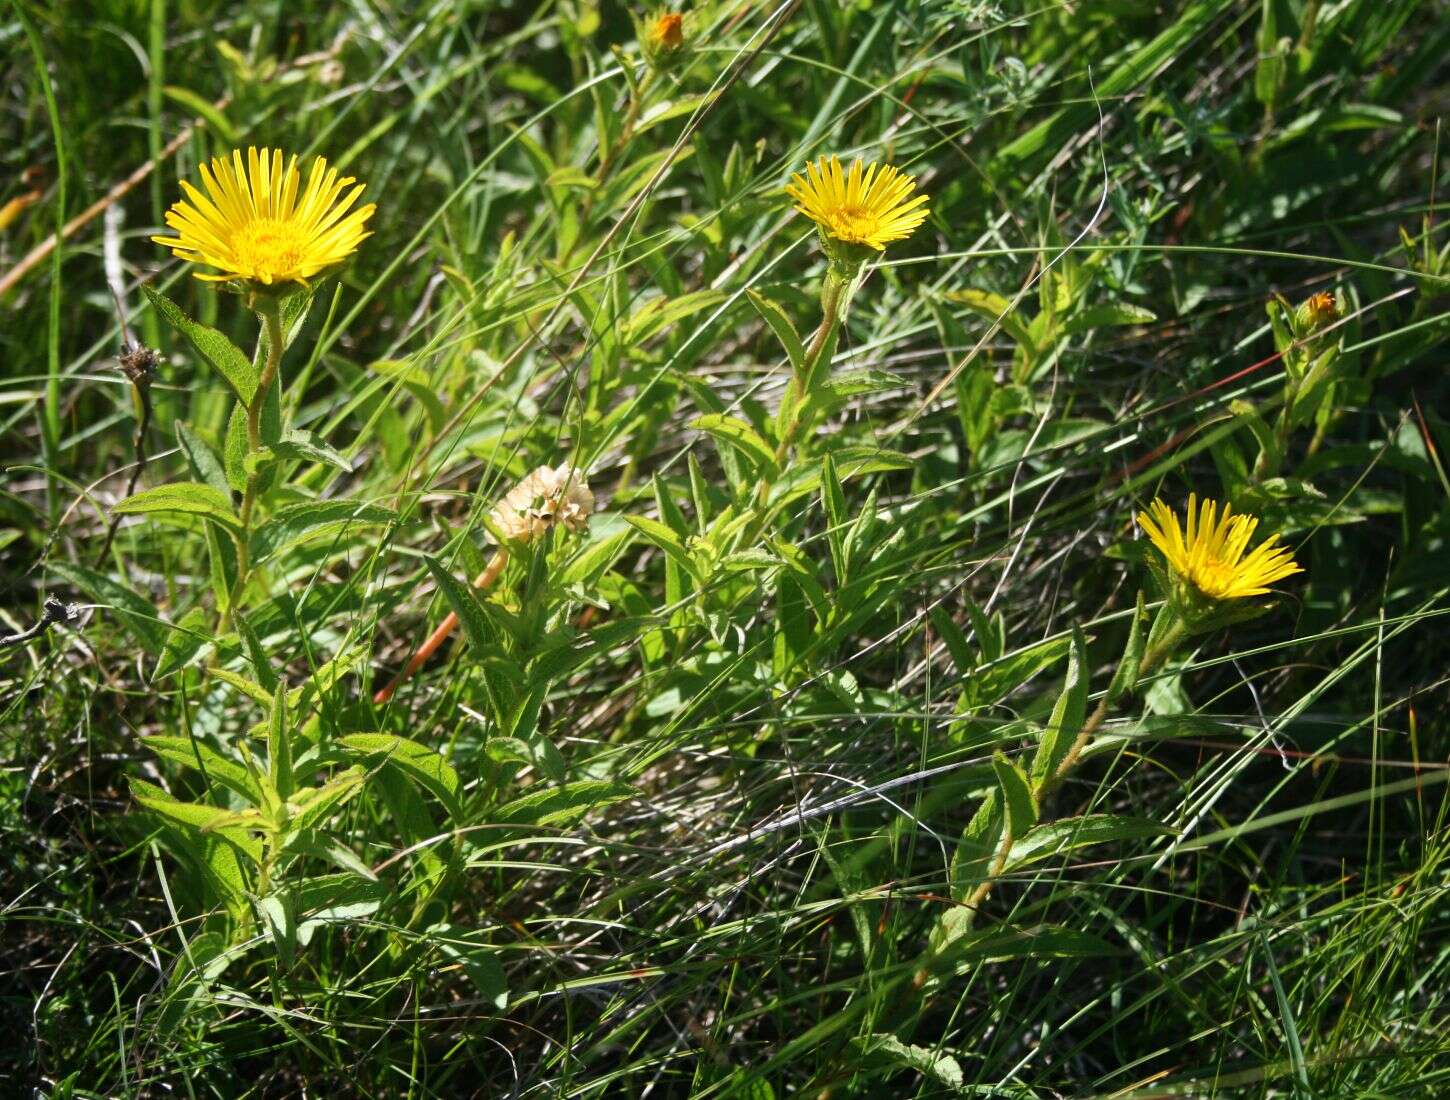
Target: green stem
(270,311)
(798,392)
(1155,656)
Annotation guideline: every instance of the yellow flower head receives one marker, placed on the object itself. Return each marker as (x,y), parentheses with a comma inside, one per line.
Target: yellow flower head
(870,205)
(1210,553)
(667,31)
(253,224)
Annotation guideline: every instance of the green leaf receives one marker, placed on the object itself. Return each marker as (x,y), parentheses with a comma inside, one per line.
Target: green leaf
(192,753)
(781,325)
(739,435)
(659,313)
(278,916)
(279,746)
(246,686)
(537,752)
(1126,676)
(423,765)
(479,959)
(335,899)
(1068,715)
(205,109)
(661,535)
(854,383)
(1008,673)
(190,498)
(298,444)
(1056,837)
(1119,313)
(952,637)
(234,448)
(942,1068)
(1017,796)
(313,805)
(977,845)
(995,308)
(225,357)
(196,817)
(464,604)
(833,498)
(313,519)
(202,458)
(564,806)
(183,643)
(256,656)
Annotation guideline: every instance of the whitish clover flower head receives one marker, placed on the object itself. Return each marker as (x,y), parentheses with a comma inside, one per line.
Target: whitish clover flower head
(549,495)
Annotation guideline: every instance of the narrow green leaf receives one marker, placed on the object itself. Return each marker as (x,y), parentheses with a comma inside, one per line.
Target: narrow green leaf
(942,1068)
(1105,316)
(659,534)
(183,643)
(257,656)
(279,746)
(1068,714)
(739,435)
(659,313)
(315,804)
(833,499)
(781,325)
(423,765)
(310,520)
(204,108)
(977,845)
(464,604)
(1126,676)
(195,816)
(202,458)
(298,444)
(1017,796)
(190,753)
(1057,837)
(246,686)
(564,806)
(224,357)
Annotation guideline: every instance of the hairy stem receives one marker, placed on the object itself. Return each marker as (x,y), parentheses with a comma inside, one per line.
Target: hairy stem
(270,311)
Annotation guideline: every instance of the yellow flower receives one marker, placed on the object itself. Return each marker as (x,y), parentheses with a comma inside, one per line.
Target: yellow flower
(252,223)
(1210,553)
(869,205)
(667,32)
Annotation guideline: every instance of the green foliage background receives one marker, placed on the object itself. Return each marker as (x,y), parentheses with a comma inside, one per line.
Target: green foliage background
(682,808)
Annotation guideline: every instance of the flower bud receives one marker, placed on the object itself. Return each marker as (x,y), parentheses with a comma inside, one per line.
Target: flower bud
(663,39)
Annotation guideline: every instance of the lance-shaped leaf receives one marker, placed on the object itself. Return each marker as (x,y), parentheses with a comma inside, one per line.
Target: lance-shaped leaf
(224,356)
(735,433)
(1067,716)
(189,498)
(781,325)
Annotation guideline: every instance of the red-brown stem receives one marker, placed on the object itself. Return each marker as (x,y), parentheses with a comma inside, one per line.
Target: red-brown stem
(439,636)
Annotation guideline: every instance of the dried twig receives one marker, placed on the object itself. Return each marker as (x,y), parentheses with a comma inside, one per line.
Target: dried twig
(55,612)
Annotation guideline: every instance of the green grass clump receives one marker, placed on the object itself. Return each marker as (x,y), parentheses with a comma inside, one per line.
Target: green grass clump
(857,743)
